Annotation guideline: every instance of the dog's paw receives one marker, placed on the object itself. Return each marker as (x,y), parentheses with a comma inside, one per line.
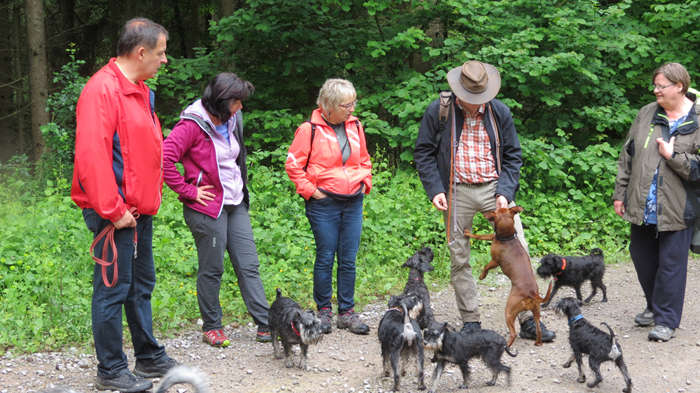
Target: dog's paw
(490,383)
(581,379)
(289,363)
(421,387)
(278,356)
(566,365)
(605,300)
(462,386)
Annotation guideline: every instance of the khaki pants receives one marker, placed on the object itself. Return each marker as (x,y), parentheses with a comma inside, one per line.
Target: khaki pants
(469,200)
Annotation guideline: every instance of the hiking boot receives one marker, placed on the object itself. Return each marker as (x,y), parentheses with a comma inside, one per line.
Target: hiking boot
(529,330)
(326,317)
(661,333)
(645,318)
(125,382)
(154,368)
(471,326)
(216,338)
(351,321)
(263,335)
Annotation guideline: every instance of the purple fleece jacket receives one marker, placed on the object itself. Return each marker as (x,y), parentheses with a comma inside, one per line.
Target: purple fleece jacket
(192,145)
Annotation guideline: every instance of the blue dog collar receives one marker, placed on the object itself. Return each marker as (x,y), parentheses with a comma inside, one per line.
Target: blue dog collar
(576,318)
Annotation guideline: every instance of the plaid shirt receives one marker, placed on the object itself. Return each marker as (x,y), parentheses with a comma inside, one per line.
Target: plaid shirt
(473,161)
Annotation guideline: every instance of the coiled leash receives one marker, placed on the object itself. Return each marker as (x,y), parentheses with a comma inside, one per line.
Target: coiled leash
(108,235)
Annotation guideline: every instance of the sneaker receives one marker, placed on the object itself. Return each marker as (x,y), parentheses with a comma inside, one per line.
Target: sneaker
(326,317)
(661,333)
(529,330)
(263,335)
(216,338)
(154,368)
(351,321)
(125,382)
(471,326)
(645,318)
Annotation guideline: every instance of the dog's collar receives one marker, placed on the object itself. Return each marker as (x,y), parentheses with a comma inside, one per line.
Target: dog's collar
(563,266)
(294,329)
(395,309)
(417,279)
(576,318)
(506,239)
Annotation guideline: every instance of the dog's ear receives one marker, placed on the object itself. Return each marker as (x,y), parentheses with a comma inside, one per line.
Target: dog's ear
(516,209)
(489,215)
(446,326)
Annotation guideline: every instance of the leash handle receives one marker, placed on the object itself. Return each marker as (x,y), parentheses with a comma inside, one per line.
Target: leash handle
(108,234)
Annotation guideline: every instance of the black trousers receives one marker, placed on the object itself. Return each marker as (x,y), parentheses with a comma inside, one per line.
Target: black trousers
(661,261)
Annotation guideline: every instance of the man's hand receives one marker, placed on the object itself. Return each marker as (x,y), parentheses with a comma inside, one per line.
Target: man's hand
(619,207)
(127,220)
(501,202)
(318,194)
(203,195)
(440,202)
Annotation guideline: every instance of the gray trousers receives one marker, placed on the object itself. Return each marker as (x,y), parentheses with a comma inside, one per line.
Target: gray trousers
(469,200)
(231,232)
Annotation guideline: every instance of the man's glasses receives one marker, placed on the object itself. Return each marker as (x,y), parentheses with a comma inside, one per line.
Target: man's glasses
(661,88)
(350,105)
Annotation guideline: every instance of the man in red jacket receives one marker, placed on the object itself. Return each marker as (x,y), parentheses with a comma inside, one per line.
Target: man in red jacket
(118,180)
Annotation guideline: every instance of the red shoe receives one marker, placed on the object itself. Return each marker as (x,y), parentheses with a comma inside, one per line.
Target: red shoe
(216,338)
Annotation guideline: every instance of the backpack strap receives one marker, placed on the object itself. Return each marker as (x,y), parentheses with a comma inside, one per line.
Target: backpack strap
(445,105)
(311,143)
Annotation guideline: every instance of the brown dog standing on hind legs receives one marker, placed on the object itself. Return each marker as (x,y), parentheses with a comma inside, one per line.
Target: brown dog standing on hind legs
(509,254)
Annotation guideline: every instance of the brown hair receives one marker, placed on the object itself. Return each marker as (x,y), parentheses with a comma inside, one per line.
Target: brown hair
(675,73)
(139,32)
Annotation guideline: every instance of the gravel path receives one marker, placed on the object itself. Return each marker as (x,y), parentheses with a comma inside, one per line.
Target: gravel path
(344,362)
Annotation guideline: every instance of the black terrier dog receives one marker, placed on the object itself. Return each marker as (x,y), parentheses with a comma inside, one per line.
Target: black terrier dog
(585,338)
(573,271)
(419,264)
(459,347)
(292,325)
(400,337)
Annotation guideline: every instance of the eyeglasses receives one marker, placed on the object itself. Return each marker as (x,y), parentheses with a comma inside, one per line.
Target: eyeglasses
(661,88)
(350,105)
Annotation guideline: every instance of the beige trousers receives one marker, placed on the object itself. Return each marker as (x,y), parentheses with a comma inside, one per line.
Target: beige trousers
(468,201)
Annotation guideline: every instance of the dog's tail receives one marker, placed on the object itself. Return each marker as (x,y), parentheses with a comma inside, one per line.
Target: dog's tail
(184,374)
(513,354)
(279,293)
(549,293)
(614,346)
(597,252)
(408,333)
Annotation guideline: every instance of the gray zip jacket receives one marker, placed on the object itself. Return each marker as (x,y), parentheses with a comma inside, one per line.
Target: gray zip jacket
(638,162)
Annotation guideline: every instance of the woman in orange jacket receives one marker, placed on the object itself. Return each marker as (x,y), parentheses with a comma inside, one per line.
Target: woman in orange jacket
(329,164)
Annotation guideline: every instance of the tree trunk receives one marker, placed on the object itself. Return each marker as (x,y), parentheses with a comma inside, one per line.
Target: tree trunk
(115,25)
(38,72)
(8,141)
(19,86)
(193,27)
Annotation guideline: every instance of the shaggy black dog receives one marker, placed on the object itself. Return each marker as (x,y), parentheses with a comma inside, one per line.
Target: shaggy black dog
(292,325)
(573,271)
(400,337)
(585,338)
(419,264)
(459,347)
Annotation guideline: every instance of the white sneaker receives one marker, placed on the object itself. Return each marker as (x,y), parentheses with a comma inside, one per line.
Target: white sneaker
(661,333)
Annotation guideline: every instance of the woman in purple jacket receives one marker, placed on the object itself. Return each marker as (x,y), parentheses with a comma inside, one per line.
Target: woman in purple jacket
(208,141)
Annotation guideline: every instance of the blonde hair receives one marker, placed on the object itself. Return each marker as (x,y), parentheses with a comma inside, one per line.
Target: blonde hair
(334,92)
(675,73)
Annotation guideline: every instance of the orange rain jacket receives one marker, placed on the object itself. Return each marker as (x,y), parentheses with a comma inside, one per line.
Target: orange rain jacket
(325,169)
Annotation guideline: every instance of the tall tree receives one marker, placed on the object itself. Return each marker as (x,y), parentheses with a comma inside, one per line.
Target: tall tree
(38,72)
(19,86)
(8,143)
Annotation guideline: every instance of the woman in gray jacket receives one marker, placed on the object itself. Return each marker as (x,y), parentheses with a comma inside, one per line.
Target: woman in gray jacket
(660,150)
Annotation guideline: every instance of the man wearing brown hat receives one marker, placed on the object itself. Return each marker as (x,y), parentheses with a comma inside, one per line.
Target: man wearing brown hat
(469,162)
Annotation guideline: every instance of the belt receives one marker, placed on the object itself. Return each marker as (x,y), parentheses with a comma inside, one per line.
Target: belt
(476,184)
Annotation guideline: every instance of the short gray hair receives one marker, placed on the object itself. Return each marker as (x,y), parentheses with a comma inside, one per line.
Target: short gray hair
(675,73)
(139,32)
(334,92)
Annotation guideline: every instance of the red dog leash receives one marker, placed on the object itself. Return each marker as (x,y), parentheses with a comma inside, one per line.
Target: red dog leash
(108,235)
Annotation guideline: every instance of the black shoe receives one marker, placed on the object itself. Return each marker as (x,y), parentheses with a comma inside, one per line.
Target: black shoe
(471,326)
(263,335)
(529,330)
(154,368)
(125,382)
(351,321)
(326,317)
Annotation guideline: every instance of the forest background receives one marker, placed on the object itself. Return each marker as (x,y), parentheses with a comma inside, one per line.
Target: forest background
(574,74)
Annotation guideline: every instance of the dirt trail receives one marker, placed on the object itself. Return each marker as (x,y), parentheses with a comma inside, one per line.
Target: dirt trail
(344,362)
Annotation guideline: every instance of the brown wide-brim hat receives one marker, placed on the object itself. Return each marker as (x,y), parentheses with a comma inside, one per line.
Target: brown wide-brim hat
(475,82)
